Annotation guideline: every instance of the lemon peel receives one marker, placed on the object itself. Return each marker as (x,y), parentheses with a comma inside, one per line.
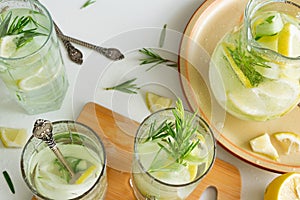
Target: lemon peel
(156,102)
(86,174)
(289,40)
(13,137)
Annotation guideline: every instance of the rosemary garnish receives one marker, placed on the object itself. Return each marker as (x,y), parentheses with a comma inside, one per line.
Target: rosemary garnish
(87,3)
(177,137)
(9,182)
(17,27)
(155,59)
(247,61)
(127,87)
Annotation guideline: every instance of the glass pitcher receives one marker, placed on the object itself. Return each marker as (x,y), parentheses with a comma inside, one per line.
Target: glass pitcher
(255,68)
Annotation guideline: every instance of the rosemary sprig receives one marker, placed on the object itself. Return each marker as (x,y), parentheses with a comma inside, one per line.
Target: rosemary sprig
(247,61)
(162,36)
(154,58)
(87,3)
(177,137)
(17,27)
(127,87)
(9,181)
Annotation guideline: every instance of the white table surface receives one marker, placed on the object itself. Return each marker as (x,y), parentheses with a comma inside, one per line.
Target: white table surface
(100,23)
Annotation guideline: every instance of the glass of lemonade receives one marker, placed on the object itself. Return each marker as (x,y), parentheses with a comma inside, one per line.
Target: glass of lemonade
(173,150)
(31,64)
(255,69)
(84,152)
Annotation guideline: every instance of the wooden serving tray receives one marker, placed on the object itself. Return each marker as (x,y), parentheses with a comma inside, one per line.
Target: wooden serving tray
(117,133)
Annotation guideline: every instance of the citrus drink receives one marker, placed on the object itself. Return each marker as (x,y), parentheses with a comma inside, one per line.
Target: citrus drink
(160,171)
(255,69)
(31,65)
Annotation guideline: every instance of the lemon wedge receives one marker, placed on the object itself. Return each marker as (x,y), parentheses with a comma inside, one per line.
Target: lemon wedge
(284,187)
(289,138)
(86,174)
(156,102)
(193,169)
(269,41)
(262,145)
(289,40)
(8,46)
(12,137)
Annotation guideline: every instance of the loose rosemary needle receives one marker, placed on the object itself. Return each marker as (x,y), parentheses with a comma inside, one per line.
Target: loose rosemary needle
(87,3)
(154,58)
(9,182)
(127,87)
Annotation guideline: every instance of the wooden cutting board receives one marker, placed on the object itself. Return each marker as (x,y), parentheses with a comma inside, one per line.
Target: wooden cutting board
(117,133)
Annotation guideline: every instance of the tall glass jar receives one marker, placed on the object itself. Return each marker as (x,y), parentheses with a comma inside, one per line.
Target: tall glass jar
(31,64)
(255,69)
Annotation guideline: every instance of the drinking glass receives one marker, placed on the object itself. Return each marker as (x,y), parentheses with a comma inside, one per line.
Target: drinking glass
(84,152)
(255,68)
(31,64)
(158,173)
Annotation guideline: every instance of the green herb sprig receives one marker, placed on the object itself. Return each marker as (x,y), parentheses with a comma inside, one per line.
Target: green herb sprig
(9,181)
(247,61)
(126,87)
(177,137)
(17,27)
(154,58)
(87,3)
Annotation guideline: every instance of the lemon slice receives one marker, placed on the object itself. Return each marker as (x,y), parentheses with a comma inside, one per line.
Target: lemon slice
(193,169)
(42,77)
(262,145)
(86,174)
(12,137)
(245,81)
(269,41)
(284,187)
(289,138)
(156,102)
(8,46)
(289,40)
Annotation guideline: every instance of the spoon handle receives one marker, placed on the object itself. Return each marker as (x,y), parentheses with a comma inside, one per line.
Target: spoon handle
(60,157)
(110,53)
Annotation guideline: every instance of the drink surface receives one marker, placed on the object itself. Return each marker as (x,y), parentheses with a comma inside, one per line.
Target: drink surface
(52,180)
(252,84)
(32,69)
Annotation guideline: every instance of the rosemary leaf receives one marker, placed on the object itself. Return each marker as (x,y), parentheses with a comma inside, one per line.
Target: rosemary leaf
(126,87)
(87,3)
(9,182)
(163,36)
(154,58)
(4,25)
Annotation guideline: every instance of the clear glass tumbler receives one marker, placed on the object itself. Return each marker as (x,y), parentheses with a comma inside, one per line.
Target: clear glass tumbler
(171,156)
(84,152)
(31,64)
(255,68)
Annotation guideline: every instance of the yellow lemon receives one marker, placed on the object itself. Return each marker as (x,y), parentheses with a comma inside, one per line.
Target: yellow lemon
(269,41)
(289,40)
(284,187)
(86,174)
(12,137)
(8,46)
(262,145)
(289,138)
(156,102)
(193,169)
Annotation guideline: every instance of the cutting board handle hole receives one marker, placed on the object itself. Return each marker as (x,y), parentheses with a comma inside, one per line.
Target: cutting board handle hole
(210,193)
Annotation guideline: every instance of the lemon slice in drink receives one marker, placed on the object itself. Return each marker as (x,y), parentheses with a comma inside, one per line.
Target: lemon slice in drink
(12,137)
(289,40)
(284,187)
(156,102)
(193,169)
(8,46)
(262,145)
(290,139)
(86,174)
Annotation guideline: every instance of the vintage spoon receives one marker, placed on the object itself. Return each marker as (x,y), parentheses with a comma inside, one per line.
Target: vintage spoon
(110,53)
(43,130)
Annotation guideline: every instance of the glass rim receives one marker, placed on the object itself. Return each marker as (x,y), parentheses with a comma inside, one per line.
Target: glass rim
(214,148)
(102,173)
(252,43)
(48,15)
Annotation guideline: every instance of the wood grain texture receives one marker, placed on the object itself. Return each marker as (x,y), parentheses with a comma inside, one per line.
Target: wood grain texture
(117,133)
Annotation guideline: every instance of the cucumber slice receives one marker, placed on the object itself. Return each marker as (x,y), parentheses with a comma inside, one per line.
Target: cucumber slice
(271,25)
